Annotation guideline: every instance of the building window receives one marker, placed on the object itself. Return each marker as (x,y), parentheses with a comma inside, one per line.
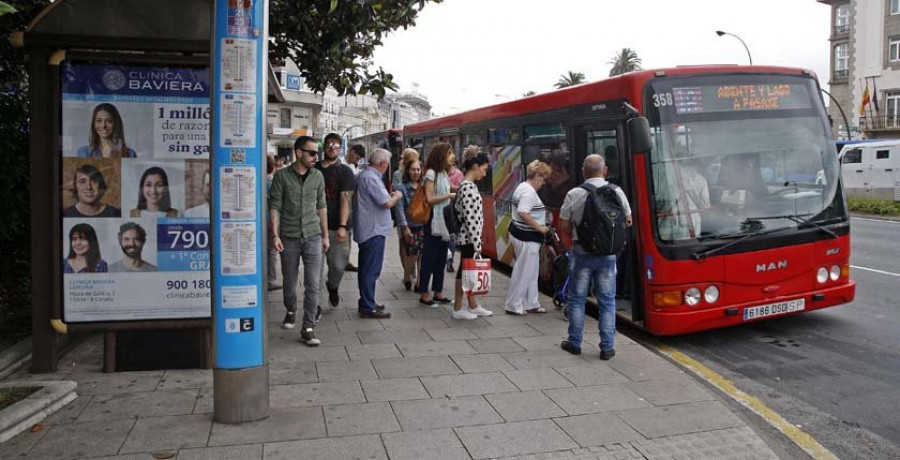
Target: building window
(893,109)
(882,154)
(895,6)
(842,60)
(284,121)
(894,50)
(842,19)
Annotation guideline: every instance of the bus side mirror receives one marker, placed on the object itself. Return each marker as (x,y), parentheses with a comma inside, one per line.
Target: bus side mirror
(639,135)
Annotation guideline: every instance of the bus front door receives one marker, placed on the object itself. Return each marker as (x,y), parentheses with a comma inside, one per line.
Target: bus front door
(606,139)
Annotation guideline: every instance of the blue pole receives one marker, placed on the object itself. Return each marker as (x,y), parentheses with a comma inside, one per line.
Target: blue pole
(238,101)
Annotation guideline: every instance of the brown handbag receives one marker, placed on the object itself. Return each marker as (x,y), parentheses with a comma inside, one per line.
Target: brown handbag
(419,211)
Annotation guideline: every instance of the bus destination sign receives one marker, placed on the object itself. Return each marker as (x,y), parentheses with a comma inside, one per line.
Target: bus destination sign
(739,98)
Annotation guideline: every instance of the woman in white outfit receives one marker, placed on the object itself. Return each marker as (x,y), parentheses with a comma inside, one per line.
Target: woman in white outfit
(526,232)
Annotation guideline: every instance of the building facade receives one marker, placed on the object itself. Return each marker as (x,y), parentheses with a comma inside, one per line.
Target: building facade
(408,108)
(865,64)
(292,111)
(351,115)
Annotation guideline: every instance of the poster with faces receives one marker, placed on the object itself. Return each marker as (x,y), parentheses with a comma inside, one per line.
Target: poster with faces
(134,192)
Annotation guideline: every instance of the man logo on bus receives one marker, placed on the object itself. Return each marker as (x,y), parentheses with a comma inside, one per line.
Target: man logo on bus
(771,266)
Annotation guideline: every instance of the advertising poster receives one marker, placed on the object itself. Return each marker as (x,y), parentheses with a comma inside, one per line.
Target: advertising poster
(135,192)
(507,174)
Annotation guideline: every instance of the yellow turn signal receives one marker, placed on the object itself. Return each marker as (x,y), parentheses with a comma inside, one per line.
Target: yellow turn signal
(667,298)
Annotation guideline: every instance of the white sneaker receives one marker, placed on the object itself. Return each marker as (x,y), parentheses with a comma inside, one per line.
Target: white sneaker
(463,313)
(480,311)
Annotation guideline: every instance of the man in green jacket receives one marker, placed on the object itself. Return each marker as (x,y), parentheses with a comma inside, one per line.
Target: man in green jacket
(298,225)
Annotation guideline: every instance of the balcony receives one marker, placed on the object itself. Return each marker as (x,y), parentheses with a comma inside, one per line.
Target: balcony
(879,123)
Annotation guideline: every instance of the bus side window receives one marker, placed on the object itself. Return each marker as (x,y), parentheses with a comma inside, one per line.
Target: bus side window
(556,155)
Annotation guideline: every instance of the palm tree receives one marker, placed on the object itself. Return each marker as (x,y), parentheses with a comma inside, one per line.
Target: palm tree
(572,79)
(624,61)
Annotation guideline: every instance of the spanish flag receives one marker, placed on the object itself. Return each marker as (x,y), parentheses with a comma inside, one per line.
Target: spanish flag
(865,100)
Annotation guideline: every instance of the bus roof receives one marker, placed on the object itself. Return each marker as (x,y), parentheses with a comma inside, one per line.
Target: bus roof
(586,93)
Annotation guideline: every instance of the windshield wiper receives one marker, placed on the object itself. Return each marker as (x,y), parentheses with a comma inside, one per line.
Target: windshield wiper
(800,220)
(756,230)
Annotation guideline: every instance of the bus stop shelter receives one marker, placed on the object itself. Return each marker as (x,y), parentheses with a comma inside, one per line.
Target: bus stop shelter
(77,37)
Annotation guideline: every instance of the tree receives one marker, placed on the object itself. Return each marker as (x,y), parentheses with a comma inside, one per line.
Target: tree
(528,93)
(624,61)
(15,234)
(332,41)
(572,79)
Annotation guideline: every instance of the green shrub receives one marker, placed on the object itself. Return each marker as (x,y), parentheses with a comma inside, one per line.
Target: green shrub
(877,206)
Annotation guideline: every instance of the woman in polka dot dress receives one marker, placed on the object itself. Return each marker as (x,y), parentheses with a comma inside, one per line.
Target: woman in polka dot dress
(471,214)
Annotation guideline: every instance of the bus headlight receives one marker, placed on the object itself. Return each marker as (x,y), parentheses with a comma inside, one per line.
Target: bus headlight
(835,273)
(692,296)
(822,275)
(711,295)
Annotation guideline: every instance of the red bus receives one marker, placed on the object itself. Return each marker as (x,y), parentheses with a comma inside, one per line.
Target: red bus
(391,140)
(739,211)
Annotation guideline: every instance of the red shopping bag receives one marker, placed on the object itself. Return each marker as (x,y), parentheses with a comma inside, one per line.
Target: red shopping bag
(476,276)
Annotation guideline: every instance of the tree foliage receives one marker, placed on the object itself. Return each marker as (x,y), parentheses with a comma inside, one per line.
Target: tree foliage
(6,8)
(333,41)
(528,93)
(570,79)
(15,268)
(626,60)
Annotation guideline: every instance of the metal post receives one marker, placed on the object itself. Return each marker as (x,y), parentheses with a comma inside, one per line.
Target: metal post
(720,33)
(238,101)
(840,109)
(44,206)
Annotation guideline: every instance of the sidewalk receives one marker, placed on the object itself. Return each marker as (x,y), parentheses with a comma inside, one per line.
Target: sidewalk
(417,386)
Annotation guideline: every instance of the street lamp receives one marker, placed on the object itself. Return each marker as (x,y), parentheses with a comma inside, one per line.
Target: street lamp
(720,33)
(351,127)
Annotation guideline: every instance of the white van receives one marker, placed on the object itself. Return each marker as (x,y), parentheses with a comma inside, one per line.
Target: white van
(872,169)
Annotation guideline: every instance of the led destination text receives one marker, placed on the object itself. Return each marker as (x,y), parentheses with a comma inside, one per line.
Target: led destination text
(754,97)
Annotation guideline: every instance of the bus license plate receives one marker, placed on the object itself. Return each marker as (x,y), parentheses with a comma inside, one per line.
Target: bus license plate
(773,309)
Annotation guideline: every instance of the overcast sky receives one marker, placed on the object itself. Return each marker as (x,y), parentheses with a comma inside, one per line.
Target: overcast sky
(463,53)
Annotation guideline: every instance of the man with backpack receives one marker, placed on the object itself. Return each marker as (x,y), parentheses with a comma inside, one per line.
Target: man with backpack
(600,212)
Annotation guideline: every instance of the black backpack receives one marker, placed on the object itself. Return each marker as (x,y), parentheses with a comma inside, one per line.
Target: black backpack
(451,218)
(602,227)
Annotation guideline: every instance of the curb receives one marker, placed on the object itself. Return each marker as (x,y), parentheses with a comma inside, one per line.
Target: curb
(31,410)
(860,215)
(15,357)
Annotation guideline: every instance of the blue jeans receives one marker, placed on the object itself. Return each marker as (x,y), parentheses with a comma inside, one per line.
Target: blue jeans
(585,268)
(371,258)
(309,250)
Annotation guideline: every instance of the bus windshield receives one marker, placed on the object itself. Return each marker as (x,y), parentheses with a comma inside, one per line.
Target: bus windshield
(739,151)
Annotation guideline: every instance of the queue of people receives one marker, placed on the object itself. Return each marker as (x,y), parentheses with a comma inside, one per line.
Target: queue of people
(317,207)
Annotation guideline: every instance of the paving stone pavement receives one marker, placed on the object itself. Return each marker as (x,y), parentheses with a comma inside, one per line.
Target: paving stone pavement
(417,386)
